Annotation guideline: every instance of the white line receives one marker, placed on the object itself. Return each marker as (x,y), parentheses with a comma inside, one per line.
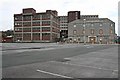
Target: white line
(87,66)
(92,67)
(53,74)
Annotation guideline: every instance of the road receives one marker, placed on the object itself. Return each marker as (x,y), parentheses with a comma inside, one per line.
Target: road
(61,61)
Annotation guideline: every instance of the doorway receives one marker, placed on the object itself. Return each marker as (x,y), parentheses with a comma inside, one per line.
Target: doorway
(92,40)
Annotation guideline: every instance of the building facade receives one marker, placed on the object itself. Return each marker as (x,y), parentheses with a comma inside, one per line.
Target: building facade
(91,30)
(63,26)
(30,26)
(64,20)
(73,15)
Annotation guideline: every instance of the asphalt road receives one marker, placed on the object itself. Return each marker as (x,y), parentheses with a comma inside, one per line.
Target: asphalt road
(51,62)
(29,57)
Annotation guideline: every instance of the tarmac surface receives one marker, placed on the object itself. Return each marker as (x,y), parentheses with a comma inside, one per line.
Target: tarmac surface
(53,60)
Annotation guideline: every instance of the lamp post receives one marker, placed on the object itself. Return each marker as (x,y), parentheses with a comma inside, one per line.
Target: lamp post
(84,31)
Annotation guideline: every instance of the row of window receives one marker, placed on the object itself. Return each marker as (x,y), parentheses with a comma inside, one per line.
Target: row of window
(63,18)
(46,23)
(45,28)
(26,18)
(36,23)
(63,21)
(33,23)
(26,29)
(91,24)
(92,31)
(34,29)
(63,24)
(34,34)
(18,24)
(93,16)
(18,18)
(63,27)
(34,17)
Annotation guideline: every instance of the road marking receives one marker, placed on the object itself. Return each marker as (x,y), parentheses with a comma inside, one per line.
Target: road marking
(53,74)
(67,63)
(92,67)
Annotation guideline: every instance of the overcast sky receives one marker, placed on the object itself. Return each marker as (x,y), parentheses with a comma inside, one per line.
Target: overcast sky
(103,8)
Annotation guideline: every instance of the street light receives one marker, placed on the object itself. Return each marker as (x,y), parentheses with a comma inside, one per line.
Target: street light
(84,31)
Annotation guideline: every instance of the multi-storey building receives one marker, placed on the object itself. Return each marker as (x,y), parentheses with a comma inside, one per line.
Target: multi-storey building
(91,30)
(63,26)
(73,15)
(30,26)
(64,20)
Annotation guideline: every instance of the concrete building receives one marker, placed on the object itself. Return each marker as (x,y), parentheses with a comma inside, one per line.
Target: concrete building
(30,26)
(90,29)
(63,26)
(73,15)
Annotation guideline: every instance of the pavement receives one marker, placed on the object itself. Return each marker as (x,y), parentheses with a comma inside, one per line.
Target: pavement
(62,61)
(15,46)
(19,46)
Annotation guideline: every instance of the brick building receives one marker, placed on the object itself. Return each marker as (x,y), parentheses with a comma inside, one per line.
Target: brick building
(73,15)
(30,26)
(6,36)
